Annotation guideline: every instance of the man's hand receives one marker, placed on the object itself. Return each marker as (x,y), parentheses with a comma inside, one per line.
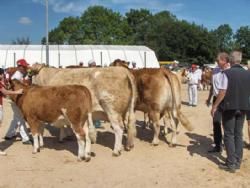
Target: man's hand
(213,110)
(208,103)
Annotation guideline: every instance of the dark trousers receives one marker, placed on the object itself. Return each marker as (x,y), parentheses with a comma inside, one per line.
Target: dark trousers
(233,124)
(217,126)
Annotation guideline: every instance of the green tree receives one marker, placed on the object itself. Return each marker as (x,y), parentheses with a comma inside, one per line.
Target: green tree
(139,22)
(103,26)
(68,32)
(242,38)
(224,37)
(22,40)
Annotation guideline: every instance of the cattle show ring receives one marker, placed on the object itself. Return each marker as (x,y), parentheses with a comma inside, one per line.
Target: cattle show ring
(147,134)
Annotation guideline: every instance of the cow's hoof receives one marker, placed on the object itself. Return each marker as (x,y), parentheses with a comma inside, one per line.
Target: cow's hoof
(116,154)
(172,145)
(60,141)
(127,148)
(87,159)
(79,159)
(155,142)
(34,152)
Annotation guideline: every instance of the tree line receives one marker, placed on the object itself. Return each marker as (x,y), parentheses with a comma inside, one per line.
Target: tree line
(169,37)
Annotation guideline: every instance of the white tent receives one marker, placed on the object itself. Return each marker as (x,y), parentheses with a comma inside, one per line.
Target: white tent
(64,55)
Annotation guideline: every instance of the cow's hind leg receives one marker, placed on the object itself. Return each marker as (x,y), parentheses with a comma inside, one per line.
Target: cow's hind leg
(131,131)
(155,117)
(79,132)
(87,146)
(41,143)
(92,130)
(175,128)
(118,131)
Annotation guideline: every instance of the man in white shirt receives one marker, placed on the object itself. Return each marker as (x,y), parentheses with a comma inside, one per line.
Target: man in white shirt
(193,81)
(217,83)
(18,120)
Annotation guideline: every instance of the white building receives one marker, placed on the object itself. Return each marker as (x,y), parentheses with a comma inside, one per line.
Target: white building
(64,55)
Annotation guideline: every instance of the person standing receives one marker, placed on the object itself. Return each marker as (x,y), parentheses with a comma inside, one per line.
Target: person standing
(3,92)
(234,102)
(223,64)
(193,81)
(18,121)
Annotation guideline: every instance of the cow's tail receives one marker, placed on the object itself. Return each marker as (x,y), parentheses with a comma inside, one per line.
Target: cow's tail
(176,107)
(131,111)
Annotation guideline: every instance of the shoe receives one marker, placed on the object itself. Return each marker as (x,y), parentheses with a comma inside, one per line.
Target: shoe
(3,153)
(215,150)
(226,167)
(194,105)
(28,142)
(9,138)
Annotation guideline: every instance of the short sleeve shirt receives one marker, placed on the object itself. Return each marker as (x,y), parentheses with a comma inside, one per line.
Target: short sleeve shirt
(17,75)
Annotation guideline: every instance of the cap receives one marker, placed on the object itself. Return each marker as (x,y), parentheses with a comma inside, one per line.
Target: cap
(92,61)
(193,66)
(22,62)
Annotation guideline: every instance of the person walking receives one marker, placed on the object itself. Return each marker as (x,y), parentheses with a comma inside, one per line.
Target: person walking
(3,92)
(193,82)
(234,101)
(18,121)
(223,64)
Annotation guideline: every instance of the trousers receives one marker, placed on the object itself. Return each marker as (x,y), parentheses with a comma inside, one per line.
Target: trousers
(233,124)
(17,122)
(217,130)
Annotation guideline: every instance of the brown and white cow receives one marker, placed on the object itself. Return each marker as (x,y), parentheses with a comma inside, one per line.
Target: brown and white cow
(59,105)
(113,94)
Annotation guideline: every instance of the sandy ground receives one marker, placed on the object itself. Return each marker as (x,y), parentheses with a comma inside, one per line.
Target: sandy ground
(187,165)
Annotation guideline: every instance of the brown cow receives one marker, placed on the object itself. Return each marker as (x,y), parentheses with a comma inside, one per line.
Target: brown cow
(113,94)
(206,79)
(159,93)
(69,104)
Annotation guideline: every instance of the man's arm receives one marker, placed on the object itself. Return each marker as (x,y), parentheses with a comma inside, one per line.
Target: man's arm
(220,97)
(208,101)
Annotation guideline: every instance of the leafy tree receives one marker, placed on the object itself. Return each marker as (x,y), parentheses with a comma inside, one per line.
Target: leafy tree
(103,26)
(68,32)
(242,38)
(22,40)
(224,37)
(139,22)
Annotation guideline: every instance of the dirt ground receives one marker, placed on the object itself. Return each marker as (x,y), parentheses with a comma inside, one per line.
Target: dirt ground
(187,165)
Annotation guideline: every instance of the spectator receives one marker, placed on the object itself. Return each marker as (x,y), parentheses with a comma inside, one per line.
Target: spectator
(18,120)
(92,63)
(193,81)
(3,92)
(223,64)
(81,64)
(133,65)
(234,100)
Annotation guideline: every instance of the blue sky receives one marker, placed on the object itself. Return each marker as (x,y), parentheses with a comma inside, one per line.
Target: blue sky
(26,18)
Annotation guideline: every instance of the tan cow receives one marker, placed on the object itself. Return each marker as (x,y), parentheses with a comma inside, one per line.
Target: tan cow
(113,94)
(70,104)
(159,94)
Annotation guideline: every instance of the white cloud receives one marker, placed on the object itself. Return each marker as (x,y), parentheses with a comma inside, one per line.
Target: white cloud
(78,6)
(24,20)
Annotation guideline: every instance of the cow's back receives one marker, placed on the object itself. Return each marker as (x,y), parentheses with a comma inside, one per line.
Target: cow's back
(111,88)
(53,98)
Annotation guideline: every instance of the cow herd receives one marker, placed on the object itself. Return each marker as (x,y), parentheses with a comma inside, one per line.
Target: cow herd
(77,96)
